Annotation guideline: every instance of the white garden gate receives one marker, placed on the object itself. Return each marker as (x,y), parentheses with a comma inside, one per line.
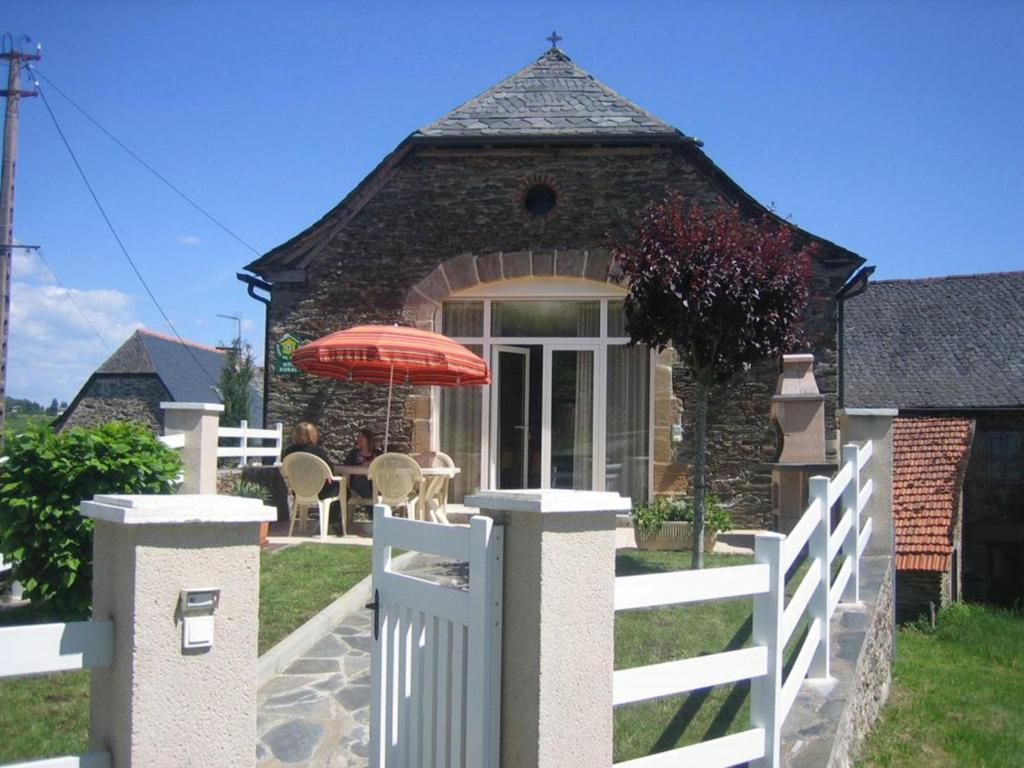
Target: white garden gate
(436,662)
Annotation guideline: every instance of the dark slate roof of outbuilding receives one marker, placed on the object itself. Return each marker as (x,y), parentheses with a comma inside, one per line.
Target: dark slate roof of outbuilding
(188,370)
(937,343)
(550,97)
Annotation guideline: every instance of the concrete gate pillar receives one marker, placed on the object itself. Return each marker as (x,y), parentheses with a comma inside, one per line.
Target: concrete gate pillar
(558,619)
(179,578)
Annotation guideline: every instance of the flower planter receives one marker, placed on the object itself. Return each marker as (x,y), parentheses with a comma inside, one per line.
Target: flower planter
(264,533)
(674,536)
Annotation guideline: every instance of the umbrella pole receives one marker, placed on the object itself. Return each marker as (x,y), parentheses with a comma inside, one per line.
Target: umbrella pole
(387,419)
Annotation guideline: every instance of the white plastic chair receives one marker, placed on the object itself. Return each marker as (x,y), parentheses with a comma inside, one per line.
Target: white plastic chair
(395,477)
(433,498)
(306,475)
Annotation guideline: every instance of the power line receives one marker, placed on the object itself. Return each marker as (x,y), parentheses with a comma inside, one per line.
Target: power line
(113,231)
(143,163)
(71,298)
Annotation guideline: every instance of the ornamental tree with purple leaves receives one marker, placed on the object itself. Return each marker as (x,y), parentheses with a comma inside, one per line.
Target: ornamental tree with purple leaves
(723,291)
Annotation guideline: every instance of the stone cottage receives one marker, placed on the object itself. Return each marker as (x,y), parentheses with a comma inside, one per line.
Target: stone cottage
(148,369)
(493,225)
(947,353)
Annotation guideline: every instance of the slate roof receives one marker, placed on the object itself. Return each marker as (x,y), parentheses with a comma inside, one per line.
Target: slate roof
(550,97)
(951,343)
(929,458)
(551,100)
(189,370)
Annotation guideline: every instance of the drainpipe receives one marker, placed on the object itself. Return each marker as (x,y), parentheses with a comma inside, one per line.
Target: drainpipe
(855,286)
(252,285)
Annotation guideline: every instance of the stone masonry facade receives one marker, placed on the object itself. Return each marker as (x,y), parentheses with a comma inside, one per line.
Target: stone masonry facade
(993,536)
(110,397)
(463,208)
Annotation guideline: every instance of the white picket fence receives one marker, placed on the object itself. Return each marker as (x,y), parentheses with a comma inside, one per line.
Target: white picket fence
(242,434)
(44,648)
(774,621)
(436,666)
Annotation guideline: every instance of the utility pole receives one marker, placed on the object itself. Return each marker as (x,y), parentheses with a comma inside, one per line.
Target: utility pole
(14,59)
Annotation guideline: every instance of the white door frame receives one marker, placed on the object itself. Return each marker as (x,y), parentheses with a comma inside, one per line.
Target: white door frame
(547,289)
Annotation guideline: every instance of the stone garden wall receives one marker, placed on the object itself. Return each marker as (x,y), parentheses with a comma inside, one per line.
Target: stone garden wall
(828,722)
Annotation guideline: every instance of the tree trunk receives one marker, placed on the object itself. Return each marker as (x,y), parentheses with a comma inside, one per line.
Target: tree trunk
(699,460)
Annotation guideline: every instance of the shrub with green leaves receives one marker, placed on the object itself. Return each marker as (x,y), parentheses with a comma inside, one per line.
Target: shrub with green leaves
(648,518)
(249,489)
(43,480)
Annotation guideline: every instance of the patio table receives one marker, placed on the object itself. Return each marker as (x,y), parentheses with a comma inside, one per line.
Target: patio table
(345,471)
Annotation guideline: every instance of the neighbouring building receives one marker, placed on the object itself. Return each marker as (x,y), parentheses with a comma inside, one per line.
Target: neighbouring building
(948,353)
(493,225)
(148,369)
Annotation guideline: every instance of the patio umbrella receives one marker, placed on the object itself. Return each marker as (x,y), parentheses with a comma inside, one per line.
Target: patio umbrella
(384,354)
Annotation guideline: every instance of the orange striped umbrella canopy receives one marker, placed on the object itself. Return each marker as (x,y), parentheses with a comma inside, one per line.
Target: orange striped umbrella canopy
(384,354)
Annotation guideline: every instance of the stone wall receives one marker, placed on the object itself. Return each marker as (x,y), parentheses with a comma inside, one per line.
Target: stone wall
(993,535)
(916,589)
(828,722)
(440,203)
(872,680)
(109,397)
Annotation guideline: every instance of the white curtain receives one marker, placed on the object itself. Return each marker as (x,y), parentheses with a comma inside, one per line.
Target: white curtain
(460,434)
(627,458)
(583,431)
(588,324)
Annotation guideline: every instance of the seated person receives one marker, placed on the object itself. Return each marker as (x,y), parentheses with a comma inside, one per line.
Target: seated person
(304,440)
(365,451)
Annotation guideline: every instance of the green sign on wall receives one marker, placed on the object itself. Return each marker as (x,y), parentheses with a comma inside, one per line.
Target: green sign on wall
(284,349)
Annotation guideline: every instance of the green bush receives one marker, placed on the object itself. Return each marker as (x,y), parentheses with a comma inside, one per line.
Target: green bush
(45,477)
(649,517)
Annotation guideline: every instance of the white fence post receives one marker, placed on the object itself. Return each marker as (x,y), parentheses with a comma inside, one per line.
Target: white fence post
(199,423)
(766,690)
(817,549)
(181,688)
(244,426)
(279,428)
(851,507)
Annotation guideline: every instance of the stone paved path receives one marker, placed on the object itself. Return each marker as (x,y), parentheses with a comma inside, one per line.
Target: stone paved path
(317,711)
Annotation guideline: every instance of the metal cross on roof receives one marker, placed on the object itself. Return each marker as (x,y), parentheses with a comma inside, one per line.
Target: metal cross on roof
(554,38)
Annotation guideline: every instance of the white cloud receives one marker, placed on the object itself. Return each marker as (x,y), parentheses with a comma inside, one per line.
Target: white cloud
(52,348)
(28,266)
(191,240)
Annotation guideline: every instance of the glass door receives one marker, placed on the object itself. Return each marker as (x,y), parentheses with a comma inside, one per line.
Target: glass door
(567,448)
(510,417)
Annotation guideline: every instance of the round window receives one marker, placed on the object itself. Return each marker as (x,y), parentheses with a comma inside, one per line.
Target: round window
(540,200)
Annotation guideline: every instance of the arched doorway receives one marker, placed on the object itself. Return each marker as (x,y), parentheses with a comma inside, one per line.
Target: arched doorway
(571,404)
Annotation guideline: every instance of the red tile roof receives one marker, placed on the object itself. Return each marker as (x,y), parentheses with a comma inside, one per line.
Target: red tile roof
(929,458)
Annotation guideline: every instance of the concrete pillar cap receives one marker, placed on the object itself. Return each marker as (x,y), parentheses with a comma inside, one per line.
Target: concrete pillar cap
(205,407)
(550,501)
(179,509)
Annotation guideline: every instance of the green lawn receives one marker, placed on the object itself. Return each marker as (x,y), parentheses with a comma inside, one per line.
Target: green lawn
(48,715)
(299,582)
(958,694)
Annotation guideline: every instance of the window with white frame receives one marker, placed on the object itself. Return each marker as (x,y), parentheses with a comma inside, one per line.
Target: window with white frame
(570,402)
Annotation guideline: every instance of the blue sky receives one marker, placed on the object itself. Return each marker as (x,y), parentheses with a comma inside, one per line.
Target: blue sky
(892,129)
